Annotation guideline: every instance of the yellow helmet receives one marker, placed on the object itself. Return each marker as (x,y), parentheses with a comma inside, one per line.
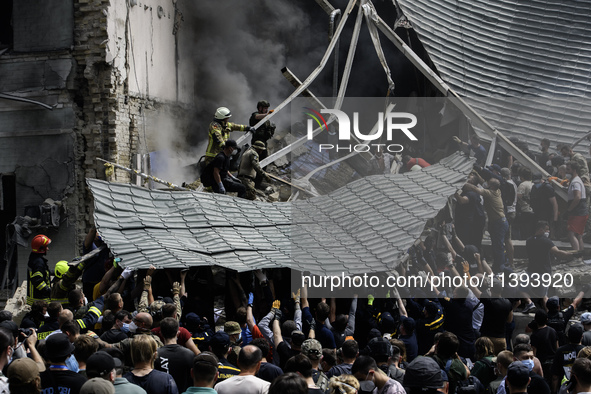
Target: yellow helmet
(61,267)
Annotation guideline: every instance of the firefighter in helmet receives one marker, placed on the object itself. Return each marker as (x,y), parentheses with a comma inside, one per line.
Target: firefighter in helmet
(267,129)
(219,132)
(38,283)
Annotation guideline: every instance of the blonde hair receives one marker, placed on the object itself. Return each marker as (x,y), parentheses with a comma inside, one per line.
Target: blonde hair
(343,384)
(585,352)
(484,347)
(143,349)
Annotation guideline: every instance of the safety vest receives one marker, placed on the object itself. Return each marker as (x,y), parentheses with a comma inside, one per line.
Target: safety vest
(41,276)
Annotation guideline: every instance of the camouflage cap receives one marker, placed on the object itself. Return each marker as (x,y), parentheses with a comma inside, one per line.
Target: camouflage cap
(312,349)
(232,328)
(259,145)
(156,306)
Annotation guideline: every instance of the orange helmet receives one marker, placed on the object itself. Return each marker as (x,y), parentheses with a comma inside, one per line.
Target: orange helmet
(40,243)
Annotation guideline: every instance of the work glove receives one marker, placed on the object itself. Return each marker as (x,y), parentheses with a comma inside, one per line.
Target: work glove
(312,324)
(251,129)
(456,139)
(147,282)
(267,177)
(222,188)
(271,111)
(370,299)
(176,288)
(278,315)
(296,296)
(127,272)
(250,298)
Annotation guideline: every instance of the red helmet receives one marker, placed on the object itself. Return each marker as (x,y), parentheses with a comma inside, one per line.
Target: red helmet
(40,243)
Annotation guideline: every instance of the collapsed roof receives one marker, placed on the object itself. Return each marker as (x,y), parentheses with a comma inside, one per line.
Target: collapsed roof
(366,226)
(523,65)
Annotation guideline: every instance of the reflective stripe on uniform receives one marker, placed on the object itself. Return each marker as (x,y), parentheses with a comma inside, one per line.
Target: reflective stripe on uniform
(95,310)
(81,324)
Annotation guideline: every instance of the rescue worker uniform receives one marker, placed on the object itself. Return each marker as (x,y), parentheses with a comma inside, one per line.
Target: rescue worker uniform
(218,135)
(250,168)
(38,279)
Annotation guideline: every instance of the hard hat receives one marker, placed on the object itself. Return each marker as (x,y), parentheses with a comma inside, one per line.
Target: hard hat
(222,113)
(61,267)
(263,103)
(40,243)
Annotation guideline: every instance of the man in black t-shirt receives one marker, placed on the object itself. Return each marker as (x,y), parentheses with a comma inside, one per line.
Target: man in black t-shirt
(217,173)
(543,201)
(174,359)
(268,371)
(566,355)
(540,250)
(58,378)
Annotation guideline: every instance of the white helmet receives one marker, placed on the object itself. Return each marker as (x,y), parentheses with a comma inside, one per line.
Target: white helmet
(222,113)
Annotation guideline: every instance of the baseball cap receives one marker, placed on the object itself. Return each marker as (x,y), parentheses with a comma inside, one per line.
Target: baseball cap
(495,167)
(220,339)
(423,372)
(409,324)
(312,349)
(97,386)
(380,347)
(387,322)
(22,371)
(231,144)
(553,303)
(100,364)
(518,374)
(586,318)
(192,319)
(297,337)
(58,346)
(232,328)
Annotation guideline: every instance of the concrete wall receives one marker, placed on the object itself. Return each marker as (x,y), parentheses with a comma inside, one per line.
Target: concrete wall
(53,23)
(149,29)
(110,73)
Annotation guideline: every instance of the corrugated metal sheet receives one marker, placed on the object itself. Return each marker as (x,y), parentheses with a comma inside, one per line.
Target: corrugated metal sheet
(365,226)
(524,65)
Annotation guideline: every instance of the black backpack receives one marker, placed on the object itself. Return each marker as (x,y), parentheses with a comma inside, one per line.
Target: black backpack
(470,386)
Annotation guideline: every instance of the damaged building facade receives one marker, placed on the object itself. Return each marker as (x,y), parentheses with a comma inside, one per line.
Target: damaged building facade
(81,79)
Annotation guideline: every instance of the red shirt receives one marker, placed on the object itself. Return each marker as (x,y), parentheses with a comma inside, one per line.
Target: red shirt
(414,161)
(182,338)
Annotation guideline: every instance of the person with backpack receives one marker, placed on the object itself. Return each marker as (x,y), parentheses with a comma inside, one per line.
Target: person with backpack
(484,368)
(448,359)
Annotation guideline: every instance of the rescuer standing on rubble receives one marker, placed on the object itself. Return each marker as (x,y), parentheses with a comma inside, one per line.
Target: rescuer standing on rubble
(250,169)
(266,131)
(38,284)
(219,132)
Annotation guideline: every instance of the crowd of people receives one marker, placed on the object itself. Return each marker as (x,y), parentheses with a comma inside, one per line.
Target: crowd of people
(210,330)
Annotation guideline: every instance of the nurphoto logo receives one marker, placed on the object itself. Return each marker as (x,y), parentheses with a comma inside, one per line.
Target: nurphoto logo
(396,122)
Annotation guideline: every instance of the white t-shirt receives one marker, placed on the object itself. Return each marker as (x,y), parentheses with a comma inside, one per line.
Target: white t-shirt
(248,384)
(576,184)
